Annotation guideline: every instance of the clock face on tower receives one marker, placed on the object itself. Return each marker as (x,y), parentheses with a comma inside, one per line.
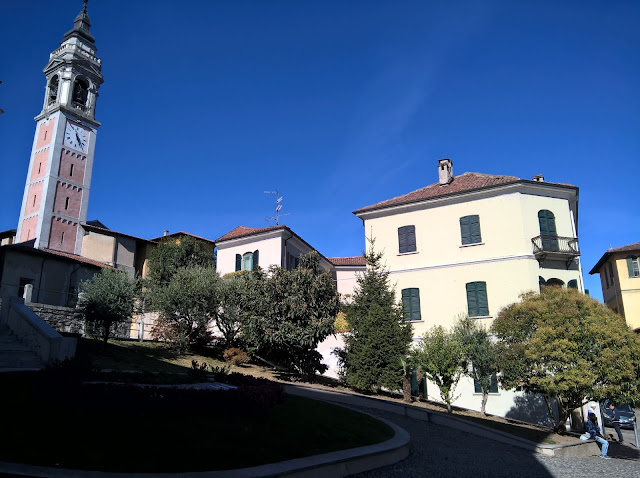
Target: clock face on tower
(76,137)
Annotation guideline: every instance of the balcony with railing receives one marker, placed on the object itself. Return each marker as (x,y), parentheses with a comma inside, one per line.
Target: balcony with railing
(555,248)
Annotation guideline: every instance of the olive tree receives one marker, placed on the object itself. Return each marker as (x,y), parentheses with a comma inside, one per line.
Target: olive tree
(568,347)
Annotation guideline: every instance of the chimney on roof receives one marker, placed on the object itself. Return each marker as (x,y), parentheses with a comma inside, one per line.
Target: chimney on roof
(445,171)
(166,233)
(539,178)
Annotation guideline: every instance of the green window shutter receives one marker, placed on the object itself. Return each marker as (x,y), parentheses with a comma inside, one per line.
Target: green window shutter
(472,303)
(477,303)
(402,239)
(415,304)
(483,304)
(406,239)
(406,303)
(474,225)
(465,230)
(470,229)
(411,304)
(238,262)
(630,260)
(493,388)
(256,255)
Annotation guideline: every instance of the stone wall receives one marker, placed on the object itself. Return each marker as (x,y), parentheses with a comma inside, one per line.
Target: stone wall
(69,320)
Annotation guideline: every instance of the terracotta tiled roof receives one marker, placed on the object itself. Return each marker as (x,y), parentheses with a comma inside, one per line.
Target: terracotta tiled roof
(75,257)
(110,232)
(348,261)
(463,183)
(628,248)
(242,231)
(181,233)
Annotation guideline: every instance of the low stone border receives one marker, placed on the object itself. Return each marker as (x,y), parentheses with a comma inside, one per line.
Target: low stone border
(578,448)
(337,464)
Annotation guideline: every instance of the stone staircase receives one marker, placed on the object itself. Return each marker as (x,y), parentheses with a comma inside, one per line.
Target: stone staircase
(15,356)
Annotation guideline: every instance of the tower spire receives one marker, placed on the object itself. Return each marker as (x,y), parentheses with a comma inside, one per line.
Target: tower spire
(81,26)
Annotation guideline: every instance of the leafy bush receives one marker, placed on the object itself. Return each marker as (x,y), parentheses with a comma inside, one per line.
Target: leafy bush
(236,356)
(198,370)
(341,324)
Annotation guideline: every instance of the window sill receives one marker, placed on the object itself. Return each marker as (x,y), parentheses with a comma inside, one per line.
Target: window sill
(490,393)
(471,245)
(481,317)
(407,253)
(413,321)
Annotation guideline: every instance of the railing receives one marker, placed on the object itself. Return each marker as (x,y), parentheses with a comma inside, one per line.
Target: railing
(556,244)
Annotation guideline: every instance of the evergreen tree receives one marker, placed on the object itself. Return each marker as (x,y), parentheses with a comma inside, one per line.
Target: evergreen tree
(379,336)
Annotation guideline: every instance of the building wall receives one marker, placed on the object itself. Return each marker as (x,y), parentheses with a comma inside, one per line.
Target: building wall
(98,247)
(623,296)
(346,279)
(55,281)
(72,166)
(441,266)
(269,247)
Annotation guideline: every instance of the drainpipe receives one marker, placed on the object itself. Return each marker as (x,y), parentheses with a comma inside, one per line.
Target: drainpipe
(40,280)
(284,256)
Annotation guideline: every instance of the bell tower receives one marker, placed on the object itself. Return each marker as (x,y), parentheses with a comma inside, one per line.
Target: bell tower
(56,194)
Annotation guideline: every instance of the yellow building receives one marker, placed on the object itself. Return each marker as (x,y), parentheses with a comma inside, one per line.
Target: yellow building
(471,244)
(619,271)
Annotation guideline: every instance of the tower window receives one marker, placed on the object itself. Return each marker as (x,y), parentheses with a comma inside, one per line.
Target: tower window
(62,237)
(45,133)
(80,90)
(66,203)
(53,93)
(34,200)
(71,171)
(39,167)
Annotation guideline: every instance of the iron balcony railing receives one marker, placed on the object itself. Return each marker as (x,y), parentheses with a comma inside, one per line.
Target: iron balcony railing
(564,246)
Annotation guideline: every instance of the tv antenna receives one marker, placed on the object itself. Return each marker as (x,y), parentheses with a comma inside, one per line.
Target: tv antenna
(278,208)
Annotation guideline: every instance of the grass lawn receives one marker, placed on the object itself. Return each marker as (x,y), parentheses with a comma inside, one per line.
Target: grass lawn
(83,437)
(151,356)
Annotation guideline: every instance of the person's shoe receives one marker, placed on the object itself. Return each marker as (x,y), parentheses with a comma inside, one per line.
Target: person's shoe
(606,457)
(621,442)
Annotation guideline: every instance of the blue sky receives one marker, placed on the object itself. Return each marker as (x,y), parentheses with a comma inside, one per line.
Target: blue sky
(338,105)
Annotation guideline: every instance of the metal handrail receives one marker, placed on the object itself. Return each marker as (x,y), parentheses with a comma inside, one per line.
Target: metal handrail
(557,244)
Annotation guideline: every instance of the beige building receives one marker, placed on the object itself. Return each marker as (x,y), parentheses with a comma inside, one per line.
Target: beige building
(619,271)
(471,244)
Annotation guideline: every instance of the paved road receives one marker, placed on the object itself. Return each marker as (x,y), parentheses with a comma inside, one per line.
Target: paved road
(437,451)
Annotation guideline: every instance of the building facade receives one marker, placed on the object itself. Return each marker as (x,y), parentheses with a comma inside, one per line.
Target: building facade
(470,245)
(56,193)
(619,271)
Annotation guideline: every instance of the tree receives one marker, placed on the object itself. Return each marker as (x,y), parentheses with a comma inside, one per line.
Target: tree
(107,298)
(567,347)
(480,355)
(187,305)
(290,312)
(378,337)
(231,317)
(169,256)
(440,357)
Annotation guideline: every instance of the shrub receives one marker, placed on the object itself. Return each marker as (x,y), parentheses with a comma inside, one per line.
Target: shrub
(236,356)
(341,324)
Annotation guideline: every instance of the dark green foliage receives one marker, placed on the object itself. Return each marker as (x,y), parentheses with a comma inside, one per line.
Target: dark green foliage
(567,347)
(288,313)
(168,257)
(440,357)
(107,298)
(379,336)
(480,354)
(230,319)
(187,305)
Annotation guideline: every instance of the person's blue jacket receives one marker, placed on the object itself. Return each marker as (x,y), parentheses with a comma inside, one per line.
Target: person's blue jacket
(593,430)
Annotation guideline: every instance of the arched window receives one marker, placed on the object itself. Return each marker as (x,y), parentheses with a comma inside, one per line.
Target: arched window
(53,90)
(572,284)
(548,232)
(80,92)
(553,282)
(247,261)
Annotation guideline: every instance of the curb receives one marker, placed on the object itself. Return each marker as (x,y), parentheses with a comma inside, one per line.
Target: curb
(578,448)
(336,464)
